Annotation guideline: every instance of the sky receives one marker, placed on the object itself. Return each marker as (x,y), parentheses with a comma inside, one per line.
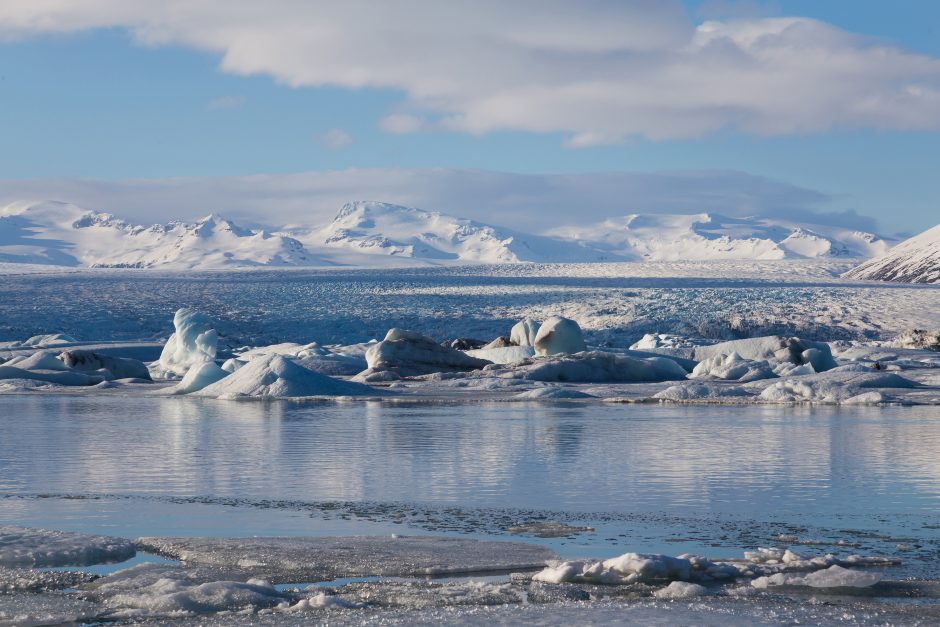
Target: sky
(278,112)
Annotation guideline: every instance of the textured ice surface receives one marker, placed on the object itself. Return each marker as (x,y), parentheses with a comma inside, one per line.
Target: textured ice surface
(410,353)
(200,376)
(30,580)
(193,341)
(732,367)
(593,367)
(24,546)
(318,559)
(523,333)
(774,348)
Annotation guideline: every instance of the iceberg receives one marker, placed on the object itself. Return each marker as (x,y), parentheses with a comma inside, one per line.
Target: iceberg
(774,348)
(524,332)
(598,367)
(559,335)
(409,354)
(193,342)
(732,367)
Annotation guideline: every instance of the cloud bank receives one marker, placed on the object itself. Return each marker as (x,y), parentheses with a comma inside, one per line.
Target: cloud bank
(529,202)
(597,71)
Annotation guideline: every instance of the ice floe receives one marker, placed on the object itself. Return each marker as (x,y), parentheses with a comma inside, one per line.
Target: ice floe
(593,367)
(732,367)
(410,353)
(24,546)
(774,348)
(118,367)
(524,332)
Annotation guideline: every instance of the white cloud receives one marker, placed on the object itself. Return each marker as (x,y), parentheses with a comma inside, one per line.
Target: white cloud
(225,102)
(334,139)
(529,202)
(597,71)
(401,123)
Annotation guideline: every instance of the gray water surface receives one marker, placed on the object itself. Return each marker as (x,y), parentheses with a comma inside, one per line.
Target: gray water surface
(714,480)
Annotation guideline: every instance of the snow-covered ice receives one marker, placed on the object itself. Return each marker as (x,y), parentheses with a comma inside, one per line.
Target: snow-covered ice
(24,546)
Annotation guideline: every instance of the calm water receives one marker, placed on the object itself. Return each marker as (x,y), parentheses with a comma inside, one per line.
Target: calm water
(645,477)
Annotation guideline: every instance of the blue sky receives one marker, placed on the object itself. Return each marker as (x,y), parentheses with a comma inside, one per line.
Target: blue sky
(97,103)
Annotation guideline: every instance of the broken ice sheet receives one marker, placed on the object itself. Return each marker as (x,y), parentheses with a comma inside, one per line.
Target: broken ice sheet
(281,560)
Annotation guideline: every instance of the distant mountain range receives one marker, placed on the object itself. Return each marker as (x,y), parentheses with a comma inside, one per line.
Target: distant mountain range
(915,260)
(375,233)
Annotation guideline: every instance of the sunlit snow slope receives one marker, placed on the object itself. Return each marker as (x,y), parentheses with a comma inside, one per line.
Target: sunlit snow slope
(916,260)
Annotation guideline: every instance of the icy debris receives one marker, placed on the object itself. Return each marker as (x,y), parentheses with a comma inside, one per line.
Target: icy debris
(503,354)
(732,367)
(29,580)
(278,377)
(25,546)
(547,529)
(193,342)
(596,367)
(700,392)
(326,558)
(842,385)
(833,577)
(28,609)
(409,353)
(775,349)
(524,332)
(918,338)
(654,568)
(198,377)
(680,590)
(119,367)
(558,336)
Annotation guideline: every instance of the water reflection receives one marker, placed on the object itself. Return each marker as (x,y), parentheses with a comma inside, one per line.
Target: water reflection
(596,458)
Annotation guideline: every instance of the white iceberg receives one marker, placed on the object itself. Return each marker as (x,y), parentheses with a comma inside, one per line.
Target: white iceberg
(118,367)
(193,342)
(559,335)
(199,376)
(409,353)
(598,367)
(40,360)
(524,332)
(732,367)
(503,354)
(774,348)
(278,377)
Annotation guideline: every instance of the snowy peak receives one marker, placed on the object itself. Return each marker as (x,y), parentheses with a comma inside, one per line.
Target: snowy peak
(915,260)
(383,228)
(65,234)
(707,236)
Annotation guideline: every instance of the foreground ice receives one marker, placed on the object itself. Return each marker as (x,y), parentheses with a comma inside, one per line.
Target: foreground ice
(759,565)
(409,353)
(325,558)
(24,546)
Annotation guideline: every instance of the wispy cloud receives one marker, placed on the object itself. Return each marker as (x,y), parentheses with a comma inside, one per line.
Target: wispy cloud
(598,71)
(334,139)
(529,202)
(225,102)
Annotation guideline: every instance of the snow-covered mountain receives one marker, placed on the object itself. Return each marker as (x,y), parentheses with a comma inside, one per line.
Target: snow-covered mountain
(65,234)
(915,260)
(706,236)
(382,234)
(386,229)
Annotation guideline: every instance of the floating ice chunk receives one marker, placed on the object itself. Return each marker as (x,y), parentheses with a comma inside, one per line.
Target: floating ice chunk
(193,342)
(833,577)
(732,367)
(680,590)
(25,546)
(198,377)
(119,367)
(786,369)
(552,392)
(278,377)
(524,332)
(600,367)
(832,387)
(503,355)
(410,353)
(282,560)
(40,360)
(699,392)
(774,348)
(559,335)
